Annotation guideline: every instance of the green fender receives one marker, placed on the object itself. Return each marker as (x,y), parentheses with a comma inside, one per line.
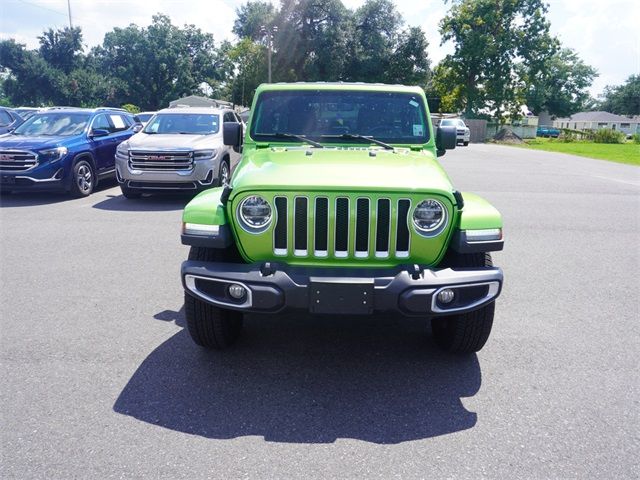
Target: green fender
(206,208)
(478,214)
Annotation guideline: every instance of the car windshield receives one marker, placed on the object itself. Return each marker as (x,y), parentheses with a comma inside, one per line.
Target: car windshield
(54,124)
(452,123)
(340,116)
(144,117)
(183,123)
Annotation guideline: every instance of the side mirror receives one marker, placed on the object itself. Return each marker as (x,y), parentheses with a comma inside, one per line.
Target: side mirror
(98,132)
(446,139)
(232,134)
(137,127)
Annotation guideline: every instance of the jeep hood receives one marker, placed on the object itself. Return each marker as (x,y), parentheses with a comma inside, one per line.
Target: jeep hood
(173,141)
(340,169)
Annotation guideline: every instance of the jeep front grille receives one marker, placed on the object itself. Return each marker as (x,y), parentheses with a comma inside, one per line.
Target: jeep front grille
(17,160)
(345,227)
(160,161)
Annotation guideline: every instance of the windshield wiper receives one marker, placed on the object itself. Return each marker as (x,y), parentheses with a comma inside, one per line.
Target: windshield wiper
(302,138)
(364,138)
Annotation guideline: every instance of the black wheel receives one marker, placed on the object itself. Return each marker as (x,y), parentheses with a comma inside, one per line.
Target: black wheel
(465,332)
(225,173)
(466,144)
(211,327)
(83,180)
(129,193)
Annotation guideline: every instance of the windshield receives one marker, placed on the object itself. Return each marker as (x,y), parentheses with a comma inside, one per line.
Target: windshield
(388,116)
(144,117)
(54,124)
(183,123)
(452,123)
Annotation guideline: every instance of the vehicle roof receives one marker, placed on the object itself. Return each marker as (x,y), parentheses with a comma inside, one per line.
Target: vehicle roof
(195,110)
(351,86)
(83,110)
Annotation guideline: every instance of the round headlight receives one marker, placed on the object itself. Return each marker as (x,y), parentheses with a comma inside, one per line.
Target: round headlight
(429,215)
(255,212)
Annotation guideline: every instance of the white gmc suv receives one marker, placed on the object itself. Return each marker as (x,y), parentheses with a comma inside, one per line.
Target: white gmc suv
(179,149)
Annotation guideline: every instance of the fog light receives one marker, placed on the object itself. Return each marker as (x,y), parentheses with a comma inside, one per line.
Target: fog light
(237,291)
(446,295)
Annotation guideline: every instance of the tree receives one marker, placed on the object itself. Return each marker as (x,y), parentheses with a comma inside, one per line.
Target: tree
(157,64)
(251,17)
(495,42)
(250,58)
(62,49)
(560,85)
(622,99)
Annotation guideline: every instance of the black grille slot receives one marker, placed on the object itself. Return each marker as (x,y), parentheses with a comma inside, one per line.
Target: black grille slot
(342,224)
(322,221)
(362,225)
(402,238)
(382,231)
(300,240)
(280,234)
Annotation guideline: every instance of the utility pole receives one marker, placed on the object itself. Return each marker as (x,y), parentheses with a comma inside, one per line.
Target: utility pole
(69,9)
(268,33)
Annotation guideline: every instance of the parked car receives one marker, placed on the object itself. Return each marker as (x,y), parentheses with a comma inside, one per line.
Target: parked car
(144,117)
(463,134)
(546,131)
(26,112)
(180,149)
(68,149)
(340,207)
(9,120)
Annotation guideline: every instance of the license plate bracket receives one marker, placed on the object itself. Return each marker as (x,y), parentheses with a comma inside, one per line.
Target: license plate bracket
(341,296)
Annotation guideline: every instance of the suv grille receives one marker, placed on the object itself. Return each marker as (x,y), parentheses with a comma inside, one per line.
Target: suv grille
(160,161)
(17,160)
(360,227)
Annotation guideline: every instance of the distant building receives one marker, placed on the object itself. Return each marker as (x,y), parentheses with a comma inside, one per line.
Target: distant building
(598,120)
(197,101)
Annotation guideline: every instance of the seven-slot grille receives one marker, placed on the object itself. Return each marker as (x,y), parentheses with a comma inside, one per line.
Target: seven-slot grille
(17,160)
(322,227)
(160,161)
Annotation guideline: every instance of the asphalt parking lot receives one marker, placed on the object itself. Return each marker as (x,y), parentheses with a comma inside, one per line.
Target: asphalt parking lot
(99,378)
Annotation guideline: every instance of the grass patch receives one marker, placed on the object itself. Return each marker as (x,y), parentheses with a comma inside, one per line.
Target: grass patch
(622,152)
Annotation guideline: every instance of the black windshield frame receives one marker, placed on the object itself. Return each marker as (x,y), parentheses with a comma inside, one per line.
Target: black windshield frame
(393,117)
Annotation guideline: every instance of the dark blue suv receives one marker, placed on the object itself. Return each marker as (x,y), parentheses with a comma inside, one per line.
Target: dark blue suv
(66,149)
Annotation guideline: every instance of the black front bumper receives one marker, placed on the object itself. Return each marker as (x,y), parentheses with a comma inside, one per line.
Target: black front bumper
(271,288)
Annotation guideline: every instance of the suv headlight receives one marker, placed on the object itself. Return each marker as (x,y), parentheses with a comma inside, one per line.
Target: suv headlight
(122,150)
(201,154)
(53,154)
(255,214)
(429,216)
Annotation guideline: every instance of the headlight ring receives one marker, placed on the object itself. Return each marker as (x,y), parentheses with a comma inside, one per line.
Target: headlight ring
(429,217)
(255,214)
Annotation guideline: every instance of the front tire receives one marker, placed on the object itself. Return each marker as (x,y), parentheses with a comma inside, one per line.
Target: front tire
(465,332)
(83,179)
(129,193)
(209,326)
(224,174)
(466,144)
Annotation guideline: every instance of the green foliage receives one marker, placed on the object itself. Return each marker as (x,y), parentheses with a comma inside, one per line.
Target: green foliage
(154,65)
(497,46)
(606,135)
(131,108)
(568,136)
(635,138)
(560,85)
(622,99)
(251,17)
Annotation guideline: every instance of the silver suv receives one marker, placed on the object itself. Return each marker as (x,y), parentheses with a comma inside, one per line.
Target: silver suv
(179,149)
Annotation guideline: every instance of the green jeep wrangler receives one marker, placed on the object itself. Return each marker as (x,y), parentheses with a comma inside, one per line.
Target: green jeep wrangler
(339,206)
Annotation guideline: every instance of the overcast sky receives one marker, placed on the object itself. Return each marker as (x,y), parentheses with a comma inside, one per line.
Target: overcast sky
(606,33)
